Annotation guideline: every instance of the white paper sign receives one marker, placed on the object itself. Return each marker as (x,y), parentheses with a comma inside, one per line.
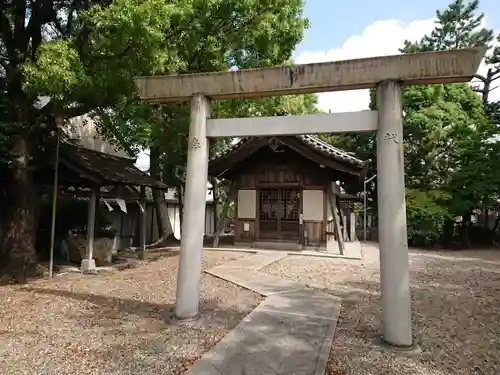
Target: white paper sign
(122,204)
(108,205)
(140,207)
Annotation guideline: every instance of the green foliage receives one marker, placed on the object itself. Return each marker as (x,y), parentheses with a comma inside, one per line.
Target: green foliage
(211,35)
(84,55)
(437,119)
(84,60)
(474,184)
(459,152)
(60,80)
(450,132)
(457,26)
(426,215)
(93,62)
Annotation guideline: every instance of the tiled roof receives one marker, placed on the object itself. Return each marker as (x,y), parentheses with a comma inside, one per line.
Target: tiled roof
(329,150)
(311,141)
(107,168)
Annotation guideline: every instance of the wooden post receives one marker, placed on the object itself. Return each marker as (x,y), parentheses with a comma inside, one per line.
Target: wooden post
(336,219)
(91,225)
(142,226)
(180,199)
(352,227)
(88,264)
(215,195)
(343,218)
(223,218)
(152,225)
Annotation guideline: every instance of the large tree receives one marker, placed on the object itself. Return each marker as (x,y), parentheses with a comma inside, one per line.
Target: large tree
(450,147)
(83,55)
(472,181)
(460,25)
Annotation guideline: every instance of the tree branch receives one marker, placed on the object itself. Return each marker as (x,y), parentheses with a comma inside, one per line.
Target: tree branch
(480,77)
(4,65)
(75,111)
(19,26)
(6,33)
(69,22)
(497,76)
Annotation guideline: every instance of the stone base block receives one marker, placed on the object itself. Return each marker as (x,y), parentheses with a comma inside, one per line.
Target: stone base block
(88,266)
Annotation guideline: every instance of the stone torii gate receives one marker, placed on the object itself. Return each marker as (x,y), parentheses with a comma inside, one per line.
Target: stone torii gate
(387,74)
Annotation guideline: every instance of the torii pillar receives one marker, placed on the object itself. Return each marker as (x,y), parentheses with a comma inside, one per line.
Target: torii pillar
(393,238)
(387,74)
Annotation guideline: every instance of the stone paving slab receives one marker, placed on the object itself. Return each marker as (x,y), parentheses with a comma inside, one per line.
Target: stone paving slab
(290,333)
(259,282)
(269,342)
(306,302)
(255,262)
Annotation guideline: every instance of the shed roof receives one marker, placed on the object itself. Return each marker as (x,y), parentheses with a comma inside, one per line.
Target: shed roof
(103,168)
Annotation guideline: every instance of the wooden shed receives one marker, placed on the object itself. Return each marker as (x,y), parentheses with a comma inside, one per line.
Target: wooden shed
(283,187)
(99,176)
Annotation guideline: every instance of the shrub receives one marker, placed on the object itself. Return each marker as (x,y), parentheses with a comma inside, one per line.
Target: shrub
(427,216)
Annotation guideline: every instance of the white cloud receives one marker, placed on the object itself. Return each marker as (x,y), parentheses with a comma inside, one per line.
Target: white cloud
(381,38)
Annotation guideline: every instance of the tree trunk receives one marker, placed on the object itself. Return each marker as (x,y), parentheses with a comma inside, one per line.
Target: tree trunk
(158,199)
(20,230)
(158,195)
(223,220)
(497,223)
(487,88)
(494,231)
(465,230)
(5,204)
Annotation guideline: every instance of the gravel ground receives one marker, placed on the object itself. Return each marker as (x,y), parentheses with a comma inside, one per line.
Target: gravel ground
(116,323)
(455,303)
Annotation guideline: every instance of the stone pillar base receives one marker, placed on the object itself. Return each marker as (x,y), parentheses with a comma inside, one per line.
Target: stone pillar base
(88,266)
(413,350)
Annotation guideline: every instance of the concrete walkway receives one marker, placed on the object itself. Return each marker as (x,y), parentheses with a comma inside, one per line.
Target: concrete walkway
(290,333)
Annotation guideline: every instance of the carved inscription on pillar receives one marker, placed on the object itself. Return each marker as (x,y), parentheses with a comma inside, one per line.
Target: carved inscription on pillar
(195,144)
(391,137)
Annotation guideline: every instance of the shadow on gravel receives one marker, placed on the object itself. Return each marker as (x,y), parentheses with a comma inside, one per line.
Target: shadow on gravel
(455,311)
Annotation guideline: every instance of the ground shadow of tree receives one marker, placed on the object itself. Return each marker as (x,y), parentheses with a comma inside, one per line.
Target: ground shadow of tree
(257,355)
(143,350)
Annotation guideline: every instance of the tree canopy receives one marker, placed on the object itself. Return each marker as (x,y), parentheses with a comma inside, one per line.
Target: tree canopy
(450,132)
(83,56)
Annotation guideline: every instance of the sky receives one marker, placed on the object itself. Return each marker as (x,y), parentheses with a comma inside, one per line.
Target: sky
(341,30)
(363,28)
